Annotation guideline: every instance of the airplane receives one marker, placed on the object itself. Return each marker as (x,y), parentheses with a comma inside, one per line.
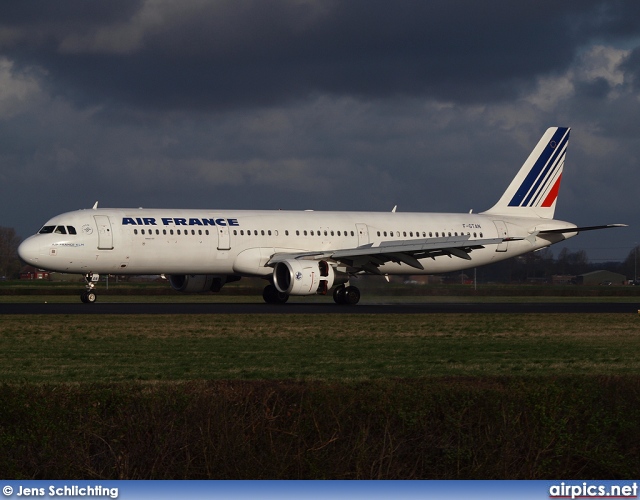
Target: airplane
(307,252)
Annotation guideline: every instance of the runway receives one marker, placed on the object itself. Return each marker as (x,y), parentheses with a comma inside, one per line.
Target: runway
(329,308)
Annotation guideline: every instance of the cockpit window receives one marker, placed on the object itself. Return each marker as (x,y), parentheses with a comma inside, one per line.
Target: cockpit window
(58,230)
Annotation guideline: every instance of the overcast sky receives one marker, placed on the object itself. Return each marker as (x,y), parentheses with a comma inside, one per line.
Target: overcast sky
(317,104)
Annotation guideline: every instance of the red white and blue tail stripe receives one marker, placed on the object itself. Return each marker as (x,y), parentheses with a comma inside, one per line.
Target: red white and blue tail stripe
(534,190)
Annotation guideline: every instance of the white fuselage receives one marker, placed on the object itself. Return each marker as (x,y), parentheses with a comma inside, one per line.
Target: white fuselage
(241,242)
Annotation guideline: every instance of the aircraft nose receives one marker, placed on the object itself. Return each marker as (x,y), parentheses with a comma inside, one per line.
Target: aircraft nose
(29,251)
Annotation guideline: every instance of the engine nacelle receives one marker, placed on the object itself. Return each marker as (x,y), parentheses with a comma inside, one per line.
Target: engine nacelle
(303,277)
(198,283)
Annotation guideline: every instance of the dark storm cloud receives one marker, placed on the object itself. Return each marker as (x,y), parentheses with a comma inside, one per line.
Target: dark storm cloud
(631,66)
(349,105)
(70,13)
(222,55)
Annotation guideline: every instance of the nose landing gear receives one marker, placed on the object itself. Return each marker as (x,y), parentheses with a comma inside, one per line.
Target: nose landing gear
(89,296)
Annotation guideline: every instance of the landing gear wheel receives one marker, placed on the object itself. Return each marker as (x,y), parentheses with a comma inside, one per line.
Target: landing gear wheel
(88,296)
(272,295)
(351,295)
(339,294)
(346,295)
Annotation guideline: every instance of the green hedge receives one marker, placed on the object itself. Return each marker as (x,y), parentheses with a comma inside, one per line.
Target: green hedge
(442,428)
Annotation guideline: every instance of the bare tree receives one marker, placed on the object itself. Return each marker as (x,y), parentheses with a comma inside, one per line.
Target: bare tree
(9,261)
(632,263)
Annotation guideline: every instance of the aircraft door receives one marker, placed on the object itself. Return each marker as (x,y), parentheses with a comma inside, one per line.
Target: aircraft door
(224,242)
(363,233)
(502,233)
(105,235)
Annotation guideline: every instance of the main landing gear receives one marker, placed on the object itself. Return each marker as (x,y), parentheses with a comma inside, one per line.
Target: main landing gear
(89,296)
(346,295)
(343,295)
(272,295)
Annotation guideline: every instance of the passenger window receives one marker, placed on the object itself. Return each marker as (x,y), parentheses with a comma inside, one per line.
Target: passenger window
(200,232)
(332,233)
(178,231)
(325,233)
(142,231)
(411,234)
(71,229)
(135,231)
(286,232)
(312,232)
(164,231)
(269,232)
(170,231)
(305,232)
(352,233)
(338,233)
(262,232)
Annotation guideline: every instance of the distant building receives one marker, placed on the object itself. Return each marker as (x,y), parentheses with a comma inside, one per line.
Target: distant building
(31,273)
(563,279)
(601,278)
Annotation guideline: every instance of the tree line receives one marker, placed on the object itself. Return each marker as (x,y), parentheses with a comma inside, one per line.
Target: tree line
(10,264)
(542,265)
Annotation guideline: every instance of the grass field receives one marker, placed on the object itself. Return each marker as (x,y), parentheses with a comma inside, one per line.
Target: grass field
(334,396)
(79,348)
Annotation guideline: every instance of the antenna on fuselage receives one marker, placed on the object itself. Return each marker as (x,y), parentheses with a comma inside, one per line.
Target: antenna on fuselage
(393,210)
(95,205)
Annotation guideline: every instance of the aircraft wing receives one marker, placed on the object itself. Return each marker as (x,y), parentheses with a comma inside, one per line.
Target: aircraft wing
(369,258)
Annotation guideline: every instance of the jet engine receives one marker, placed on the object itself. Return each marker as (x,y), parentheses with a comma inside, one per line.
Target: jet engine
(303,277)
(198,283)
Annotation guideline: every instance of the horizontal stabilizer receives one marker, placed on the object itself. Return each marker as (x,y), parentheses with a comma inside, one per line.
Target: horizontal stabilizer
(579,229)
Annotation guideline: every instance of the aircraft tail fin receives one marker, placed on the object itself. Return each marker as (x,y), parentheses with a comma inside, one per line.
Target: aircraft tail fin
(534,190)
